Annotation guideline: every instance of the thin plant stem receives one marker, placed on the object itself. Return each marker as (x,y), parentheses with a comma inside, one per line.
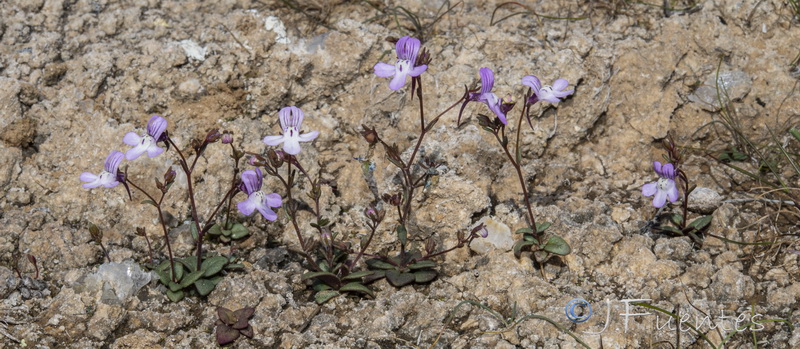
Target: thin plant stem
(196,222)
(161,220)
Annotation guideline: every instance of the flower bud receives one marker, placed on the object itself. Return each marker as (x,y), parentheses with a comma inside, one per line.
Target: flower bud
(227,138)
(276,158)
(213,136)
(480,230)
(374,214)
(169,176)
(370,135)
(140,231)
(97,234)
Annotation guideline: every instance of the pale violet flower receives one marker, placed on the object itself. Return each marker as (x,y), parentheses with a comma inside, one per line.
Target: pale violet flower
(407,51)
(486,96)
(257,199)
(552,94)
(147,143)
(109,177)
(663,189)
(291,120)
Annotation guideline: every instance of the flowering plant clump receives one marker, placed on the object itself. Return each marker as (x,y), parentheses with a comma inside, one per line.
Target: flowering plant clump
(335,265)
(197,274)
(670,178)
(534,236)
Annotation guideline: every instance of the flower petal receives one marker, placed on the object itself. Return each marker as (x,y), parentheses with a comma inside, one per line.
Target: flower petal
(384,70)
(247,207)
(273,200)
(112,162)
(291,116)
(650,189)
(136,152)
(309,136)
(156,126)
(273,140)
(398,81)
(660,199)
(533,82)
(560,84)
(153,150)
(408,48)
(111,183)
(131,138)
(657,168)
(267,212)
(291,146)
(90,178)
(668,171)
(672,192)
(487,80)
(252,181)
(416,71)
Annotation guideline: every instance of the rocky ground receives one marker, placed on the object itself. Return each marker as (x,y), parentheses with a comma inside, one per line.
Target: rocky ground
(76,75)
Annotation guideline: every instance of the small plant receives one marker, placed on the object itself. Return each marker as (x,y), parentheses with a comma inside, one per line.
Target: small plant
(198,274)
(233,324)
(534,237)
(188,279)
(671,179)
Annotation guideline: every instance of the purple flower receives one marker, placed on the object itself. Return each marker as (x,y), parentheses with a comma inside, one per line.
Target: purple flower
(663,189)
(407,51)
(256,199)
(552,94)
(147,143)
(486,96)
(109,177)
(291,120)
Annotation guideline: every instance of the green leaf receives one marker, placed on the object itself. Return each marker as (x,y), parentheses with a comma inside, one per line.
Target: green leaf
(524,230)
(795,133)
(320,286)
(402,234)
(557,245)
(700,223)
(357,275)
(670,229)
(190,263)
(324,266)
(178,271)
(324,296)
(379,264)
(519,245)
(676,218)
(193,228)
(163,276)
(174,286)
(541,227)
(213,265)
(423,276)
(239,231)
(376,275)
(529,237)
(398,279)
(191,278)
(176,296)
(423,264)
(215,230)
(328,278)
(357,287)
(205,286)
